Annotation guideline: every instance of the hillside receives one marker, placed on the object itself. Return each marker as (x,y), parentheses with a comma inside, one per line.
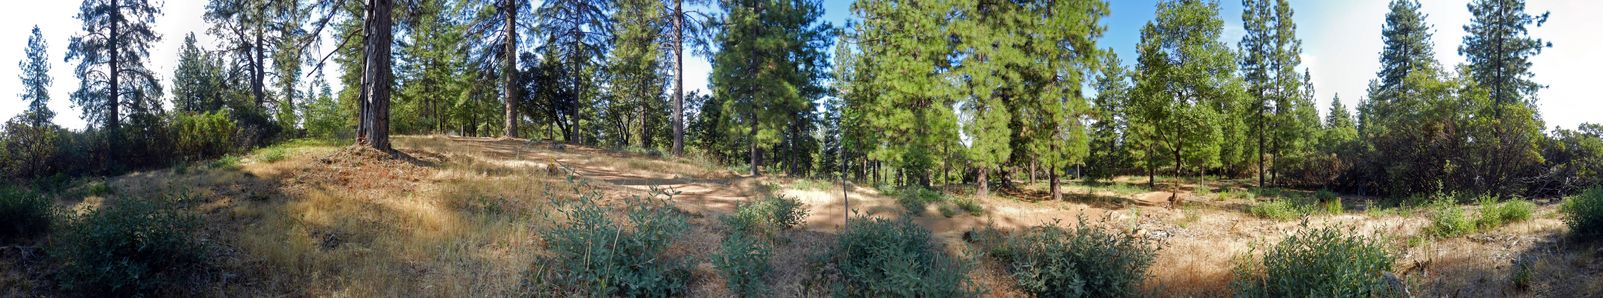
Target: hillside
(458,217)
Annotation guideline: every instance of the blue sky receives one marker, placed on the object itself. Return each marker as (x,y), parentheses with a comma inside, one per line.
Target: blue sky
(1341,42)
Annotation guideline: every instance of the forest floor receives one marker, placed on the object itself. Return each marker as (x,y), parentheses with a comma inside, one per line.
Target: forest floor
(459,217)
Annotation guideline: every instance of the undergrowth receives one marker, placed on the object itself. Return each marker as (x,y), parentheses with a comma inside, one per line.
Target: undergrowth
(604,256)
(132,247)
(23,214)
(1318,262)
(1584,214)
(1083,261)
(878,257)
(743,255)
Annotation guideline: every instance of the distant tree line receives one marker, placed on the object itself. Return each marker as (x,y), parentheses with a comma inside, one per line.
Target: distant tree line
(988,93)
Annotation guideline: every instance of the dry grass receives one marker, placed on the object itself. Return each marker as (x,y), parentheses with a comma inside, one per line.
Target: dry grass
(457,217)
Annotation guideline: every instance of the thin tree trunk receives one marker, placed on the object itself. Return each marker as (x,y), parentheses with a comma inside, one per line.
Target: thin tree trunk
(679,79)
(113,125)
(752,142)
(510,66)
(1032,172)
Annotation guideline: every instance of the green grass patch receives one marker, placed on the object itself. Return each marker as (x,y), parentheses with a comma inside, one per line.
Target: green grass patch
(1494,214)
(271,154)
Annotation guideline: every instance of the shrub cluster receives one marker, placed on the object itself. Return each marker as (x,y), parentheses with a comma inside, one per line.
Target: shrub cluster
(1084,261)
(742,258)
(597,254)
(23,214)
(1319,262)
(1448,220)
(895,258)
(1289,205)
(767,216)
(131,247)
(202,135)
(915,198)
(1494,214)
(743,261)
(1584,214)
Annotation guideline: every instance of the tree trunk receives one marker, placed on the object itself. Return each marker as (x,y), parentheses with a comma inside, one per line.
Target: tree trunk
(1152,176)
(1052,183)
(1261,158)
(645,122)
(1032,172)
(752,143)
(1177,163)
(376,76)
(510,66)
(258,71)
(113,126)
(984,190)
(679,79)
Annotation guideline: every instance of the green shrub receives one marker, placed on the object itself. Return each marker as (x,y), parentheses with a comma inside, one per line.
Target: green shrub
(98,188)
(130,247)
(23,214)
(1584,214)
(970,205)
(271,154)
(227,162)
(1321,262)
(1494,214)
(743,256)
(26,150)
(1277,210)
(743,261)
(767,216)
(1447,220)
(1332,207)
(915,198)
(1053,261)
(895,258)
(205,135)
(595,254)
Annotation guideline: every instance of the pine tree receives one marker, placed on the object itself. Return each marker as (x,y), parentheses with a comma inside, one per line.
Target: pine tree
(111,51)
(636,78)
(197,83)
(1108,146)
(576,31)
(1340,127)
(1497,49)
(30,139)
(1257,49)
(35,75)
(1407,47)
(1065,52)
(901,99)
(768,70)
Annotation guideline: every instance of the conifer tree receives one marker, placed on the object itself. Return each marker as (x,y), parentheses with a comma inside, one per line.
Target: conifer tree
(35,75)
(111,50)
(1497,49)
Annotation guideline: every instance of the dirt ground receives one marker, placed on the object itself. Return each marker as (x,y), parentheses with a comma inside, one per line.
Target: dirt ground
(458,217)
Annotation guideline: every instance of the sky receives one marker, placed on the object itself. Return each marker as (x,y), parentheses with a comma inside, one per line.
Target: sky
(1341,46)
